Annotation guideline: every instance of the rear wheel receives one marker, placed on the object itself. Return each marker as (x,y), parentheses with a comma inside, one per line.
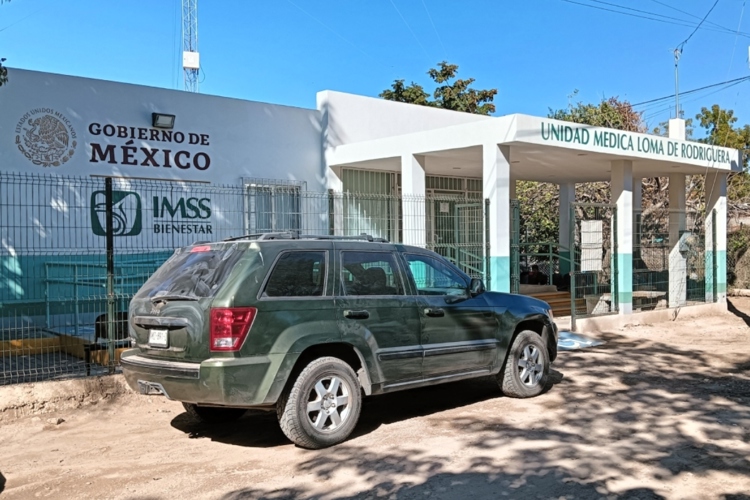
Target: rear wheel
(526,371)
(322,407)
(213,415)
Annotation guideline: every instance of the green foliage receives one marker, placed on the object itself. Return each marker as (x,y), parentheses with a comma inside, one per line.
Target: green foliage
(738,270)
(413,94)
(539,214)
(720,130)
(456,95)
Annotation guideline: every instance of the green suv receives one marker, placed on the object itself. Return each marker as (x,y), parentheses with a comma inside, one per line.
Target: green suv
(311,324)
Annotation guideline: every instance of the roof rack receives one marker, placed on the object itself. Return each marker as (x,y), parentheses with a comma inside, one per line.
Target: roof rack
(363,236)
(295,235)
(288,235)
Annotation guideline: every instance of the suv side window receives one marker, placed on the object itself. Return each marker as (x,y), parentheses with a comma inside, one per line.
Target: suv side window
(433,277)
(370,273)
(298,274)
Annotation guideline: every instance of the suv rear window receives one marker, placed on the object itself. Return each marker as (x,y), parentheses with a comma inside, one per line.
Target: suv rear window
(192,273)
(298,274)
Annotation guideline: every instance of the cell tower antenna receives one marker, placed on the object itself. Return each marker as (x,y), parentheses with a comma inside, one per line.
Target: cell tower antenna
(190,57)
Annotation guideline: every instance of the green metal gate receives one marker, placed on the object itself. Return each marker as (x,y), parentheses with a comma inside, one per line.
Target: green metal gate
(515,246)
(456,230)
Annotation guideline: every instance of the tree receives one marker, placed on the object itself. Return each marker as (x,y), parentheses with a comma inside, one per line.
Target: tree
(539,202)
(609,113)
(457,95)
(663,129)
(720,130)
(3,69)
(3,72)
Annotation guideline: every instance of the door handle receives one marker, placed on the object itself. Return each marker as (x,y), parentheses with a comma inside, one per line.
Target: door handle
(356,314)
(435,313)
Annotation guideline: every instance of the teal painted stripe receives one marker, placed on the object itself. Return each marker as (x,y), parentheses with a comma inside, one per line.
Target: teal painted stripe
(25,279)
(564,265)
(719,278)
(721,271)
(499,274)
(625,297)
(624,270)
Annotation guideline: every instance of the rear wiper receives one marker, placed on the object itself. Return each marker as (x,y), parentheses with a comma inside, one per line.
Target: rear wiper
(173,297)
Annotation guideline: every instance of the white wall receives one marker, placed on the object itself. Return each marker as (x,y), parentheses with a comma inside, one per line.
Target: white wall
(349,118)
(241,138)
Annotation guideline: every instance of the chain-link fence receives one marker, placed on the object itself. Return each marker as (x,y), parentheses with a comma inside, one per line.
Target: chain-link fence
(75,250)
(738,258)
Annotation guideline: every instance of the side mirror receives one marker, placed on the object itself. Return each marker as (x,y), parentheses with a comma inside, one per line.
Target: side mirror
(476,287)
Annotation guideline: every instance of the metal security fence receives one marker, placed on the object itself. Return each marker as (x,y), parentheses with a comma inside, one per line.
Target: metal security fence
(651,249)
(658,252)
(74,250)
(697,245)
(595,267)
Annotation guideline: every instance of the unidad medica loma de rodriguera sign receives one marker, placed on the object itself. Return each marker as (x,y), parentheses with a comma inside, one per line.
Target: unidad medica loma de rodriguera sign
(630,142)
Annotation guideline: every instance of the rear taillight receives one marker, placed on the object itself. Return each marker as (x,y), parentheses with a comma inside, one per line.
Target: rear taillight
(230,326)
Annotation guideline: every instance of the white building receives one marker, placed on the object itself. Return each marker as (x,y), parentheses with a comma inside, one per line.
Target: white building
(87,130)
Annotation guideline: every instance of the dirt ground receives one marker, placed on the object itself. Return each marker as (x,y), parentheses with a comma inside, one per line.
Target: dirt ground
(659,411)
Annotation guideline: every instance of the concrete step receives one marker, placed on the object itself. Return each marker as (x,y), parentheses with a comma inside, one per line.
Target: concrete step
(560,302)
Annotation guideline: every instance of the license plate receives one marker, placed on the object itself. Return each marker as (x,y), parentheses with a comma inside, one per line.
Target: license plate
(157,338)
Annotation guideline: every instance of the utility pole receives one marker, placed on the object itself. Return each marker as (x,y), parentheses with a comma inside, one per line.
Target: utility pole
(190,57)
(677,54)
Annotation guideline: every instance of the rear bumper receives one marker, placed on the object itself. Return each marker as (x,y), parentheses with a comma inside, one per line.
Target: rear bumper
(215,381)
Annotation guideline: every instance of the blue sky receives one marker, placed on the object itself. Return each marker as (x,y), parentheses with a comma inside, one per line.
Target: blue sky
(284,51)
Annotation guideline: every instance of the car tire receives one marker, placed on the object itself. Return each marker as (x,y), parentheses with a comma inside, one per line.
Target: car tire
(526,370)
(213,415)
(323,405)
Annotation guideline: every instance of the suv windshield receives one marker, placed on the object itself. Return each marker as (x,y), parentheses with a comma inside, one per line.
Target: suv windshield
(192,273)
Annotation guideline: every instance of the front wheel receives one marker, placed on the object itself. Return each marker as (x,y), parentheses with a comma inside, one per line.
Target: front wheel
(322,408)
(526,371)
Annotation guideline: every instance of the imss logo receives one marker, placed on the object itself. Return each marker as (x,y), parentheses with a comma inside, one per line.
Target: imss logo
(127,217)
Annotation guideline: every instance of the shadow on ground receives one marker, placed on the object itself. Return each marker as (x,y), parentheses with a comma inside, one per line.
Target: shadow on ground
(261,429)
(636,409)
(2,482)
(448,486)
(733,309)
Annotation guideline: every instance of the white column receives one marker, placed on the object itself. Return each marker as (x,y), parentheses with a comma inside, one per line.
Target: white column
(413,200)
(622,196)
(567,196)
(637,195)
(677,254)
(335,183)
(676,129)
(512,186)
(716,201)
(496,188)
